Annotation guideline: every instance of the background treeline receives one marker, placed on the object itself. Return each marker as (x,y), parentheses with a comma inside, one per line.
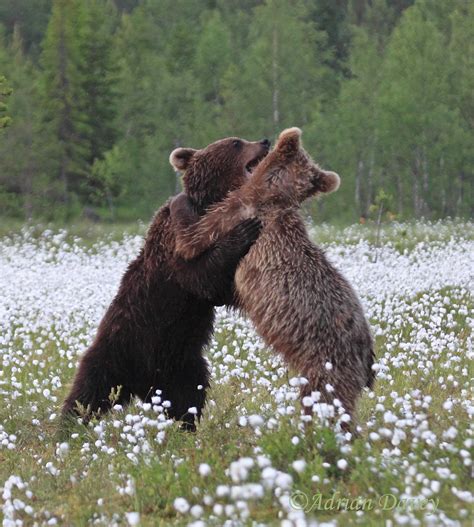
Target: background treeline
(103,90)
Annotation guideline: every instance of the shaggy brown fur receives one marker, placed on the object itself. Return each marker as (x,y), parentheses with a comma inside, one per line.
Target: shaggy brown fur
(154,331)
(300,304)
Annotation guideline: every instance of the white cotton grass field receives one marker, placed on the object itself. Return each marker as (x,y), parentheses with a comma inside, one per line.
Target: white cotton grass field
(251,462)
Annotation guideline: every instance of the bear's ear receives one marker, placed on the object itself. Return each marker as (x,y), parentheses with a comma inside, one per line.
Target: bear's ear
(328,181)
(289,141)
(180,158)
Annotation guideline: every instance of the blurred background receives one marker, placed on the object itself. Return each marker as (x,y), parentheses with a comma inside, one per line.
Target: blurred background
(94,94)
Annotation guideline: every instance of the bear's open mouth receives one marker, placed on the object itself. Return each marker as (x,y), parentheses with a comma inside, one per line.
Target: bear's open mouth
(250,166)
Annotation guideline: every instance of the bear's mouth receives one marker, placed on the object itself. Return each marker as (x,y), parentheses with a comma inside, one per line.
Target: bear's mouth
(250,166)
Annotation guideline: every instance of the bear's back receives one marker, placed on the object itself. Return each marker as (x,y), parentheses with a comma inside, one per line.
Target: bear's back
(293,294)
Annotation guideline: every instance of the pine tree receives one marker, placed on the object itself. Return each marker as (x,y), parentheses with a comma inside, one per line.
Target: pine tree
(331,17)
(99,78)
(64,96)
(80,79)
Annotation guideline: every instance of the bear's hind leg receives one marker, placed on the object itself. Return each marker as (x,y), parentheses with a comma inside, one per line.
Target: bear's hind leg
(185,388)
(330,396)
(95,388)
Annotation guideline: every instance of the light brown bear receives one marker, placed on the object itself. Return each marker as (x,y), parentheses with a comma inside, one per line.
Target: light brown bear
(299,303)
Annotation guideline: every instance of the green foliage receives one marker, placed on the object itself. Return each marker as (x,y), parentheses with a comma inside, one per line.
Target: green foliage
(382,89)
(25,148)
(5,92)
(64,95)
(382,202)
(398,122)
(331,17)
(99,76)
(78,90)
(30,17)
(348,132)
(281,78)
(415,109)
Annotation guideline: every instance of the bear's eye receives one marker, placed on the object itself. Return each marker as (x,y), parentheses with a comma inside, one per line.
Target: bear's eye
(237,143)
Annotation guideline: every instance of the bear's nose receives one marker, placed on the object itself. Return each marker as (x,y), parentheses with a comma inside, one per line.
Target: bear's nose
(266,143)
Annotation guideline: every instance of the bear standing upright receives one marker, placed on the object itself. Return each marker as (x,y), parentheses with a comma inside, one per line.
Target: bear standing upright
(153,334)
(299,303)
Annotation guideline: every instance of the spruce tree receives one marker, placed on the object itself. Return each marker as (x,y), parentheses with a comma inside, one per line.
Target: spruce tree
(64,95)
(99,77)
(79,87)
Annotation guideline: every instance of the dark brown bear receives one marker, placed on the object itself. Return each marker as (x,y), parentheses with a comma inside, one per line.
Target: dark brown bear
(153,334)
(299,303)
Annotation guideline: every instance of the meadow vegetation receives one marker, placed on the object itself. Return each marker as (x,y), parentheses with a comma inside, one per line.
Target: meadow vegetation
(251,462)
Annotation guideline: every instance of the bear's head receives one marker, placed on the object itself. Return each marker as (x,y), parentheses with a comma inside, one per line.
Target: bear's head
(288,173)
(212,172)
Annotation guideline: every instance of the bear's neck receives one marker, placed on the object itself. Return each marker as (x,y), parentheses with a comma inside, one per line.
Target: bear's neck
(200,206)
(203,192)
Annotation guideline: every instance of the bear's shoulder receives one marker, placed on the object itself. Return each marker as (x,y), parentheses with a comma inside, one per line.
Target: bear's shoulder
(160,237)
